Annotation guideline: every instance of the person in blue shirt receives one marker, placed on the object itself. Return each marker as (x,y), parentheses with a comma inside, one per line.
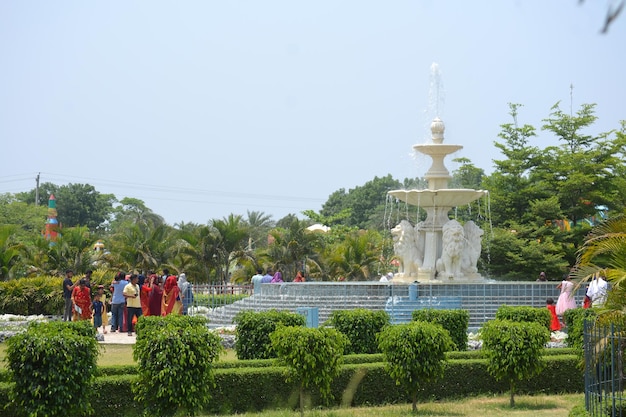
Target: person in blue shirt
(96,308)
(118,302)
(267,278)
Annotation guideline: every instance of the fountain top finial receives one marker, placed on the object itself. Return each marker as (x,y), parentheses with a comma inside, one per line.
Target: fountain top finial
(437,128)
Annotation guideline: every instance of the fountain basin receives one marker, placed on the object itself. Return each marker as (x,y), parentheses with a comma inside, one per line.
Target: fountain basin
(449,197)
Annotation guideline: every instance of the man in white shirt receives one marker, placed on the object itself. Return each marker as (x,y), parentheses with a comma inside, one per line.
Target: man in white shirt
(597,291)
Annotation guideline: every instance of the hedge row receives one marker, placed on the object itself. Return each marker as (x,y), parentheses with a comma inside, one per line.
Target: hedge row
(237,390)
(42,294)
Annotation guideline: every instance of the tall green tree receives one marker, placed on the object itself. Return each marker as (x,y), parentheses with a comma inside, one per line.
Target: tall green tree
(366,203)
(581,171)
(134,210)
(77,204)
(510,185)
(29,219)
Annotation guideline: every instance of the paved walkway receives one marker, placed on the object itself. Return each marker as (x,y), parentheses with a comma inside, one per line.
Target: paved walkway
(119,339)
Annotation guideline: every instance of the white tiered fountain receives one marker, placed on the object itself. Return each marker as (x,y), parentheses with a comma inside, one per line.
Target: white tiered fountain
(438,248)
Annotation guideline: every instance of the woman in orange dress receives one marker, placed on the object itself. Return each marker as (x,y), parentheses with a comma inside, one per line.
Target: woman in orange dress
(171,297)
(81,301)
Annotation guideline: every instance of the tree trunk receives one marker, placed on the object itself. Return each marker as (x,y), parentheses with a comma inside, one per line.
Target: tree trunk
(301,401)
(512,401)
(414,408)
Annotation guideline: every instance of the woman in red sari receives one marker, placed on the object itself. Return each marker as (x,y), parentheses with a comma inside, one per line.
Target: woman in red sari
(171,297)
(81,301)
(144,296)
(156,296)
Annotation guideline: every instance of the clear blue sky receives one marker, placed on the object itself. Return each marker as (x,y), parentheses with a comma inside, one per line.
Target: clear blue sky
(206,108)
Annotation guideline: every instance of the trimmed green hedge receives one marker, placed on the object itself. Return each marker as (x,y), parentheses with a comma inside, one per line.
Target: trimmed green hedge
(42,294)
(360,327)
(455,322)
(254,328)
(525,314)
(237,390)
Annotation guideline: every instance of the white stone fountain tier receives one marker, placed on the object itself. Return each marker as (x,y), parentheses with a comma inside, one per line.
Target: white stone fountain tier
(437,248)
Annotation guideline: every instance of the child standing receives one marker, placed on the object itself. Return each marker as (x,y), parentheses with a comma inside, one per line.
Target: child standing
(97,307)
(105,317)
(554,323)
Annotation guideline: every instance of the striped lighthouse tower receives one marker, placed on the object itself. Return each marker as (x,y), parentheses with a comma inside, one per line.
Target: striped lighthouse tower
(52,224)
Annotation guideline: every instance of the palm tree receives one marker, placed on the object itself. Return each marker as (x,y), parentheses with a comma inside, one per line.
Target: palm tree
(293,247)
(9,252)
(355,258)
(604,251)
(141,247)
(259,226)
(232,240)
(197,253)
(73,249)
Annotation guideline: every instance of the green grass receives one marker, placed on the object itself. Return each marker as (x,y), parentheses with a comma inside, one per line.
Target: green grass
(526,406)
(115,355)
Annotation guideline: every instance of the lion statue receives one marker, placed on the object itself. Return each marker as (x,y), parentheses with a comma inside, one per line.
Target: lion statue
(473,247)
(453,245)
(407,248)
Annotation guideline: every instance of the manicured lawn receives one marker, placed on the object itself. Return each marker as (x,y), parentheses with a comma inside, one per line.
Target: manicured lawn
(526,406)
(115,355)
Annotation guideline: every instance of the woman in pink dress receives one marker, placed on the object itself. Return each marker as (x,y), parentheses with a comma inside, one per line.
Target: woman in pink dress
(566,299)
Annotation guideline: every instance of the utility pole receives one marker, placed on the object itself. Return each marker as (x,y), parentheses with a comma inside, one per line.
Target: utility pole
(37,189)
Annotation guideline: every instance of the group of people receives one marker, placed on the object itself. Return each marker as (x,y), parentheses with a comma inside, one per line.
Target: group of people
(133,295)
(79,303)
(273,278)
(595,296)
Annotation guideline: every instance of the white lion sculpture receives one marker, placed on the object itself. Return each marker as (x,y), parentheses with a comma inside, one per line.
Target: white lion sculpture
(473,246)
(407,248)
(453,245)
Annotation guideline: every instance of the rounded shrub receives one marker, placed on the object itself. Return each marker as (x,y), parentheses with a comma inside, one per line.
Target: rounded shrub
(514,350)
(175,356)
(414,354)
(52,366)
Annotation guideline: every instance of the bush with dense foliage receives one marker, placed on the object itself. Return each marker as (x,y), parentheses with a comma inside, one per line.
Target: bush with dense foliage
(525,314)
(575,321)
(175,355)
(42,294)
(313,357)
(513,350)
(52,366)
(455,322)
(254,328)
(414,354)
(360,327)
